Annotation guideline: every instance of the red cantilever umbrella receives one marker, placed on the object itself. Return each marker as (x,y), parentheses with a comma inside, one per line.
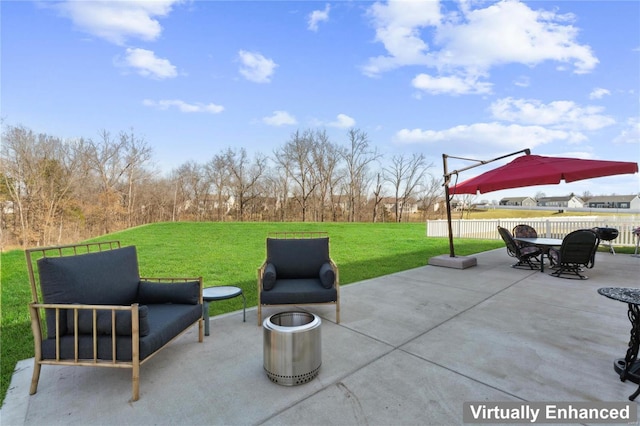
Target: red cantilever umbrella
(530,170)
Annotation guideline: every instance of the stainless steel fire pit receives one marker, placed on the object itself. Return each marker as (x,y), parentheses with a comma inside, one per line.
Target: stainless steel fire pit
(292,347)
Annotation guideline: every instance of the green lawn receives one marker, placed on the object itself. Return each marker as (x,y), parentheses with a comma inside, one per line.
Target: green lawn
(229,254)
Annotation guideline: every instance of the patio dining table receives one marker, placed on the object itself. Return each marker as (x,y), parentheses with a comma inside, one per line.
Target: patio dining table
(544,244)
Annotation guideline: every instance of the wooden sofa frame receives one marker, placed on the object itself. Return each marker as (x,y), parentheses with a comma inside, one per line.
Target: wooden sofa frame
(38,311)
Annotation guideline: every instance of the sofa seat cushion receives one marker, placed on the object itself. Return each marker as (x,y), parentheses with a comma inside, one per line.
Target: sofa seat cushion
(166,321)
(104,321)
(298,290)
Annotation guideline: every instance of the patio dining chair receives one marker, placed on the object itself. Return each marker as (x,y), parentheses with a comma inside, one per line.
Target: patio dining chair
(578,251)
(527,256)
(524,231)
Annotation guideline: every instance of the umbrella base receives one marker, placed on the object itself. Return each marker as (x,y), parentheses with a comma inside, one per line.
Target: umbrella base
(457,262)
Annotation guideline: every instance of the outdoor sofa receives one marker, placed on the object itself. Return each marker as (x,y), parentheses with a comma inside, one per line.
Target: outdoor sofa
(99,312)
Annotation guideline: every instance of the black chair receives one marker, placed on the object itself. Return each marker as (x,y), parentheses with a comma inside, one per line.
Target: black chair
(578,251)
(527,256)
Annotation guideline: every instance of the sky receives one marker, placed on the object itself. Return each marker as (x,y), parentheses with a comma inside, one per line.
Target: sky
(470,78)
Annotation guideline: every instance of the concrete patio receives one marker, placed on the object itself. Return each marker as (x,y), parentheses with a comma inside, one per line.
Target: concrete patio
(411,348)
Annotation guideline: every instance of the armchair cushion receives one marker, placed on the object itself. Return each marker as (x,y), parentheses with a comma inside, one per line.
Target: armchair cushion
(153,293)
(269,277)
(327,275)
(303,290)
(298,258)
(103,321)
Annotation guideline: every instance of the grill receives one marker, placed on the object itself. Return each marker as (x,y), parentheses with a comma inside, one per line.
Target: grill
(607,234)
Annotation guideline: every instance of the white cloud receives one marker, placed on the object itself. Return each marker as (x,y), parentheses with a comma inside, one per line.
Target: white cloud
(117,21)
(256,67)
(557,114)
(522,81)
(318,16)
(467,44)
(342,121)
(183,106)
(280,118)
(630,134)
(598,93)
(147,64)
(450,85)
(511,32)
(398,25)
(490,136)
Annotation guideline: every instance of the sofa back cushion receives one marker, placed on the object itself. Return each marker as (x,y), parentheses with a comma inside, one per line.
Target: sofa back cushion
(103,278)
(299,257)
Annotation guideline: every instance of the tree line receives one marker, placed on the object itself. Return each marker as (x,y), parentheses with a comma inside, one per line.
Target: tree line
(55,191)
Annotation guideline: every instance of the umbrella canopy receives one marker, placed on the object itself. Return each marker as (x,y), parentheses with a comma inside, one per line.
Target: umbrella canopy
(531,170)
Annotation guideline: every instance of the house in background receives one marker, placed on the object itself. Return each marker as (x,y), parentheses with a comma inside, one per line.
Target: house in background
(518,201)
(615,202)
(389,203)
(570,201)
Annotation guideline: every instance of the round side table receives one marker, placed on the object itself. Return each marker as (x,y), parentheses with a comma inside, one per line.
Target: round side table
(211,294)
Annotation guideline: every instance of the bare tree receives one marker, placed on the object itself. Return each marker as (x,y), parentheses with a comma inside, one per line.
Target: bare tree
(326,159)
(136,153)
(192,190)
(357,156)
(296,157)
(245,177)
(378,196)
(218,174)
(107,158)
(39,173)
(405,175)
(432,191)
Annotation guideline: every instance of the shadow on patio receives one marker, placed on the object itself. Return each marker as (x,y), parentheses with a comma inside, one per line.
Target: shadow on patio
(411,348)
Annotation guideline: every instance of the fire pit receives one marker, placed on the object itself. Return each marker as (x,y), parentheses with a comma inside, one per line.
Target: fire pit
(608,235)
(292,347)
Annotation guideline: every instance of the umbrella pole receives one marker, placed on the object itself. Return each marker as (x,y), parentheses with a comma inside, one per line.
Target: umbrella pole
(447,197)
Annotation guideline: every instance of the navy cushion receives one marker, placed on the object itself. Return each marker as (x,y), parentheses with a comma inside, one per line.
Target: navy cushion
(306,290)
(298,258)
(165,321)
(269,277)
(108,278)
(103,321)
(151,293)
(327,275)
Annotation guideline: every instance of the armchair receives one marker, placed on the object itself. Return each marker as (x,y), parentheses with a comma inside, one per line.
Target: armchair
(298,270)
(578,250)
(93,309)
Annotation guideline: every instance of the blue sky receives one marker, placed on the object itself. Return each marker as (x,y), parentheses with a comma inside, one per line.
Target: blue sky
(473,79)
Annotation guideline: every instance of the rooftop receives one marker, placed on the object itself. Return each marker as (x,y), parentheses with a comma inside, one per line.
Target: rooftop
(411,348)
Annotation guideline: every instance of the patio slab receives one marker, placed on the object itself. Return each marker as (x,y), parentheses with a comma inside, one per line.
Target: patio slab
(411,348)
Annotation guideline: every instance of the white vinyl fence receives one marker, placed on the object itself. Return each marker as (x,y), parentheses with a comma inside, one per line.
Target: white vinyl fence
(486,229)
